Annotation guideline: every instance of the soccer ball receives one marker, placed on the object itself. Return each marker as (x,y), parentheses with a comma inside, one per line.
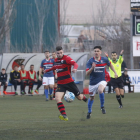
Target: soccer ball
(69,97)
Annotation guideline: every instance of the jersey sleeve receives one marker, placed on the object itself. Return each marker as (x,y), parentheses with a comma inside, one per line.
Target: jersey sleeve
(120,59)
(108,61)
(88,66)
(41,66)
(70,61)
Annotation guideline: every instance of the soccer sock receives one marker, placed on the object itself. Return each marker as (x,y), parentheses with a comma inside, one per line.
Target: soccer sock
(119,99)
(61,108)
(50,90)
(102,99)
(84,98)
(54,92)
(90,103)
(5,87)
(122,96)
(46,93)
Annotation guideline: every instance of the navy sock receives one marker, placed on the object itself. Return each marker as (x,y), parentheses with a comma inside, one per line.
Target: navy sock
(90,103)
(46,93)
(102,99)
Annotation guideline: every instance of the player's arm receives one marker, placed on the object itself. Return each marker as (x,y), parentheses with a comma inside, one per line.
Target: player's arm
(121,57)
(107,56)
(90,68)
(113,69)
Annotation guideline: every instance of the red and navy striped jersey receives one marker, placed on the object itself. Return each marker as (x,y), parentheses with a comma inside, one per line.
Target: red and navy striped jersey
(63,68)
(47,64)
(98,74)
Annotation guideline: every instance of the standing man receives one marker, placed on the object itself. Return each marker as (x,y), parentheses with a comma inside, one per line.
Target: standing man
(65,82)
(55,76)
(3,80)
(117,83)
(32,79)
(23,78)
(48,78)
(15,78)
(96,70)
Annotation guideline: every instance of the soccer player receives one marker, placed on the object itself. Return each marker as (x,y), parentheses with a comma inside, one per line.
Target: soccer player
(3,80)
(96,70)
(107,78)
(32,79)
(117,83)
(15,78)
(55,76)
(48,78)
(23,78)
(65,82)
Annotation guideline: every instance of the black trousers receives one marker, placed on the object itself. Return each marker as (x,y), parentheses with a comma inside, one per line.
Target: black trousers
(15,83)
(129,87)
(39,83)
(23,84)
(109,87)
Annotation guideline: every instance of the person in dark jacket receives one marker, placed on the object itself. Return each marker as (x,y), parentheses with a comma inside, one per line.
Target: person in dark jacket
(3,80)
(126,80)
(123,66)
(15,78)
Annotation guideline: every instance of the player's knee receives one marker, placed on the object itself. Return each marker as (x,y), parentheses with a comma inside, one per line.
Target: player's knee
(100,91)
(47,87)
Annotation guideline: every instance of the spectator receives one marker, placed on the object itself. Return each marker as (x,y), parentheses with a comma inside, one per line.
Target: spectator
(123,66)
(15,78)
(39,82)
(126,80)
(32,79)
(3,80)
(107,78)
(23,78)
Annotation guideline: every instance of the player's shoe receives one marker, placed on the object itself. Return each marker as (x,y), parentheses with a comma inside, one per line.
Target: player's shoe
(103,110)
(32,92)
(22,92)
(88,115)
(4,92)
(47,99)
(16,93)
(63,117)
(121,106)
(36,91)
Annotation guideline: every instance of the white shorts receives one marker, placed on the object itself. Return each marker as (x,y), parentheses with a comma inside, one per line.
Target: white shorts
(93,89)
(48,80)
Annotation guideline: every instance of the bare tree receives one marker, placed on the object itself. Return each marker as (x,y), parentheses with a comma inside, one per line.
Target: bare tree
(6,22)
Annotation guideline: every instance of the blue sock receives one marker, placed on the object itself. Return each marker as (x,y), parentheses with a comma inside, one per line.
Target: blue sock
(50,90)
(90,103)
(102,99)
(46,93)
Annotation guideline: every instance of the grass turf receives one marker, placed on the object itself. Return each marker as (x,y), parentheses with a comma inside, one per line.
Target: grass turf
(32,118)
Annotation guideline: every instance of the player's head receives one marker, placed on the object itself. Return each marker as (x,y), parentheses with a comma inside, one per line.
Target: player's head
(53,55)
(3,71)
(114,56)
(97,51)
(22,66)
(59,52)
(32,67)
(16,68)
(47,54)
(125,72)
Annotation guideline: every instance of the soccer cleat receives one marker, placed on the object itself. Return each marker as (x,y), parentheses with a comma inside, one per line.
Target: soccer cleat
(32,92)
(5,92)
(88,115)
(121,106)
(47,99)
(16,93)
(63,117)
(103,110)
(36,91)
(22,92)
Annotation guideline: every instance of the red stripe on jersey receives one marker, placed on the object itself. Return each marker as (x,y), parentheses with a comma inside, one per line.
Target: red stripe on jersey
(101,64)
(47,63)
(59,74)
(66,81)
(87,69)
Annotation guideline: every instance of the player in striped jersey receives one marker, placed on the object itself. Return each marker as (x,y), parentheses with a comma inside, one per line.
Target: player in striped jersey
(65,82)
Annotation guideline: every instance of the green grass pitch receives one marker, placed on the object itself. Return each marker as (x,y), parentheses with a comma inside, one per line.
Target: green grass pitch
(32,118)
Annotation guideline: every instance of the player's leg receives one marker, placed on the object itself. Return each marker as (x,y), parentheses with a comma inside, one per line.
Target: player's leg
(5,84)
(25,84)
(51,86)
(31,84)
(14,82)
(46,87)
(0,84)
(22,87)
(39,83)
(121,90)
(101,88)
(58,97)
(55,87)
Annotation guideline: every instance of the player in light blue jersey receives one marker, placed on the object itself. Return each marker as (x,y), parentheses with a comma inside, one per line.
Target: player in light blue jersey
(48,78)
(96,70)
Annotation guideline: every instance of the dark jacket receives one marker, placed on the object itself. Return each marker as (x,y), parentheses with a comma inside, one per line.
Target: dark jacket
(3,77)
(14,75)
(125,78)
(123,66)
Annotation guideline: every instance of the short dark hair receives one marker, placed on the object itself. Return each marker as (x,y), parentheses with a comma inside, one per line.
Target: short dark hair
(46,51)
(98,47)
(3,69)
(114,52)
(31,65)
(22,65)
(58,48)
(53,52)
